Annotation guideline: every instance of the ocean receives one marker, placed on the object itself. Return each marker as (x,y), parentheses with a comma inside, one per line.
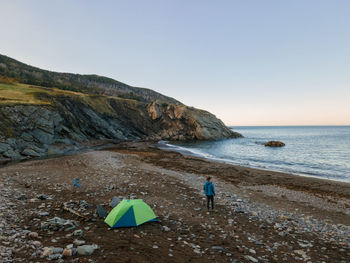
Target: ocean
(317,151)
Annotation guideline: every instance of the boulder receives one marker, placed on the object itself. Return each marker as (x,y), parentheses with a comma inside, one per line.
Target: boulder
(57,223)
(86,250)
(30,152)
(101,212)
(12,154)
(3,147)
(274,144)
(115,201)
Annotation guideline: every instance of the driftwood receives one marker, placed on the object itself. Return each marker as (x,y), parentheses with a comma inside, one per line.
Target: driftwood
(76,213)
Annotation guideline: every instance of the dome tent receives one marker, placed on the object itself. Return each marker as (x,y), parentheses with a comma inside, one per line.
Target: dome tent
(130,213)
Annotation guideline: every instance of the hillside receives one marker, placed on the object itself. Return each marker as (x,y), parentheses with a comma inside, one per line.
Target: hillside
(90,84)
(45,120)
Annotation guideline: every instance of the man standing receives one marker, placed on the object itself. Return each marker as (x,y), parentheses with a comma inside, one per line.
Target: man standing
(209,191)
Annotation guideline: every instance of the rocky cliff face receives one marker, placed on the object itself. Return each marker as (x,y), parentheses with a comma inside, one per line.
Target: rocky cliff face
(40,130)
(44,113)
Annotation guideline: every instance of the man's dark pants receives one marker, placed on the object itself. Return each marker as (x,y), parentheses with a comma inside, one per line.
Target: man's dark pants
(210,198)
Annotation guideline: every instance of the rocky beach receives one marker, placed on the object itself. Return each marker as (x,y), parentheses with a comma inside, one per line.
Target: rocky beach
(260,216)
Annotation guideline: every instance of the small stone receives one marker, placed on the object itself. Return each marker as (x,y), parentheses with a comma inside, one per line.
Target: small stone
(43,213)
(42,197)
(47,251)
(37,243)
(166,229)
(57,250)
(67,252)
(86,250)
(33,235)
(252,259)
(54,256)
(78,232)
(78,242)
(218,248)
(22,197)
(155,246)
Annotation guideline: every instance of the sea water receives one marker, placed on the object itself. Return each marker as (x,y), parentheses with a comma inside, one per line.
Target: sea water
(318,151)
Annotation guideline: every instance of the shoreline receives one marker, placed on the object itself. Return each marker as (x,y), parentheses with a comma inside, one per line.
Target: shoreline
(259,176)
(187,152)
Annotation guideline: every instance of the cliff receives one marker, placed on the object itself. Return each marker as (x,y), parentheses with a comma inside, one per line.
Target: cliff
(39,121)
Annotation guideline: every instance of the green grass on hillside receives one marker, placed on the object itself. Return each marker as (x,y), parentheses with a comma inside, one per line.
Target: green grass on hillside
(19,93)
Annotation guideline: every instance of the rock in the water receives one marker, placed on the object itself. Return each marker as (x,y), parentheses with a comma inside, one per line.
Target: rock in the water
(101,212)
(86,250)
(274,144)
(115,201)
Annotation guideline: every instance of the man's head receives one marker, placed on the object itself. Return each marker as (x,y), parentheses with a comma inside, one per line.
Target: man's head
(208,179)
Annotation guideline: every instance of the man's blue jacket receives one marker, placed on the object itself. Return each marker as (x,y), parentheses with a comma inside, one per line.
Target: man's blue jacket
(209,188)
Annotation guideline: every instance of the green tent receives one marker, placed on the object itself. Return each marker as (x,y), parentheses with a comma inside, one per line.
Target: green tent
(130,213)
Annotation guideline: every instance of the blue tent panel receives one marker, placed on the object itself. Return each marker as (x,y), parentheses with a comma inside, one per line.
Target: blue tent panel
(128,219)
(152,220)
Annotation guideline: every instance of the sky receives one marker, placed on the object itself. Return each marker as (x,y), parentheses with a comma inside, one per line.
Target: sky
(249,62)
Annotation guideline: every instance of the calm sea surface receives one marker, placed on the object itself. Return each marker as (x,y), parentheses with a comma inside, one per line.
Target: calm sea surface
(319,151)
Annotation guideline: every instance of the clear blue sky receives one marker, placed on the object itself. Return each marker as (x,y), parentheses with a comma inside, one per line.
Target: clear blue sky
(248,62)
